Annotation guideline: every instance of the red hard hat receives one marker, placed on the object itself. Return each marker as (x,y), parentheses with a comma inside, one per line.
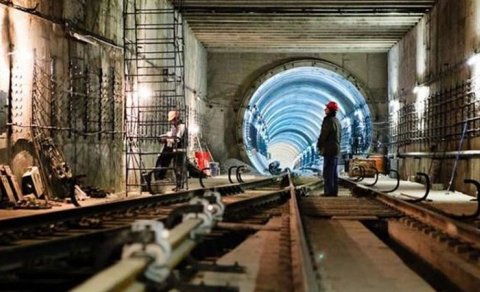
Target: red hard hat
(333,106)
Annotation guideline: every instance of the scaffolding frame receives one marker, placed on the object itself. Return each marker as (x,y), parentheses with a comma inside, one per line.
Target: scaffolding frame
(154,83)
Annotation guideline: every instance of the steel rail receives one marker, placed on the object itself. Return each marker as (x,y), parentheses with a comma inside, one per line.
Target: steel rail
(302,266)
(61,216)
(448,225)
(451,227)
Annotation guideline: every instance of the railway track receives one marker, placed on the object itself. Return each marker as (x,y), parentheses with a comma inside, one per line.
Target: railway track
(66,247)
(258,237)
(429,234)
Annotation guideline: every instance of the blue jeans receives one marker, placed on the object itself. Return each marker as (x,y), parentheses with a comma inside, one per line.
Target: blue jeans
(330,175)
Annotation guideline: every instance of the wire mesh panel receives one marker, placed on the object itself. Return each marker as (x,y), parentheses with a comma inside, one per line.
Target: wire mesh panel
(154,66)
(440,117)
(67,109)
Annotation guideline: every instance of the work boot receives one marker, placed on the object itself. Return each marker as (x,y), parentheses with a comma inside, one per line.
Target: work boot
(147,177)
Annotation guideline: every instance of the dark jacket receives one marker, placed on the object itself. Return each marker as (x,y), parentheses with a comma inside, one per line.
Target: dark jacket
(328,143)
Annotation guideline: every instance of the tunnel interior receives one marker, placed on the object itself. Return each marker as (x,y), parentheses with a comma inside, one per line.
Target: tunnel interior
(283,118)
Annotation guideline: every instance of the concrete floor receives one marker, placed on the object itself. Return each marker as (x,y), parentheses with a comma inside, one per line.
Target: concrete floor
(351,258)
(409,190)
(451,202)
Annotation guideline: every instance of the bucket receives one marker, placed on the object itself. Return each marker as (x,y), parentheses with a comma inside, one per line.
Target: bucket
(214,169)
(202,159)
(379,162)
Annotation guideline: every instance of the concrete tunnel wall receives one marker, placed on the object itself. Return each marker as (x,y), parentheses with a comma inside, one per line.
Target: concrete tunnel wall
(22,34)
(435,54)
(27,39)
(232,75)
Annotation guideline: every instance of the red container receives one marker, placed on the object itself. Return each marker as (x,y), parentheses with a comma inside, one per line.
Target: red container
(203,159)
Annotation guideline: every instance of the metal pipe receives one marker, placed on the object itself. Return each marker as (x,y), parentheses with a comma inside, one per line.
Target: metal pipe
(427,190)
(125,273)
(376,178)
(230,173)
(398,182)
(182,231)
(239,173)
(116,278)
(454,170)
(181,252)
(441,155)
(362,173)
(475,214)
(200,177)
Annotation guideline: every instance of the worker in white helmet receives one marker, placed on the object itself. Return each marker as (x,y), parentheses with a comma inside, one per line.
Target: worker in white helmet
(174,142)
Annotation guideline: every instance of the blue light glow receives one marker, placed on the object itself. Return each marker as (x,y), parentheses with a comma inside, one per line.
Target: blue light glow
(284,115)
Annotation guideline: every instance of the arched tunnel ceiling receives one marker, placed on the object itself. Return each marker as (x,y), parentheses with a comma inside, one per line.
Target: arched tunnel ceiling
(302,26)
(283,117)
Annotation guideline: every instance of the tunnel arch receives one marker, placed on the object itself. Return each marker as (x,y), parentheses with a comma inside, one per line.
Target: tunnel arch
(283,109)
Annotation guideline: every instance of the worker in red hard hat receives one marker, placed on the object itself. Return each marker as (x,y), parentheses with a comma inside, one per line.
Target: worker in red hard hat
(328,146)
(332,106)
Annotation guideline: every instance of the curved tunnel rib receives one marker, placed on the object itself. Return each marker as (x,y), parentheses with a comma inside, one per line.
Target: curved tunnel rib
(284,116)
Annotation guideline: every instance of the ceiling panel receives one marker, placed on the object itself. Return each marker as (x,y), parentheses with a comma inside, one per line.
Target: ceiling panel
(302,26)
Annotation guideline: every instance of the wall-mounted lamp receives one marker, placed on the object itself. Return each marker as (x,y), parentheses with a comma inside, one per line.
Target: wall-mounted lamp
(474,59)
(420,89)
(22,54)
(144,93)
(194,129)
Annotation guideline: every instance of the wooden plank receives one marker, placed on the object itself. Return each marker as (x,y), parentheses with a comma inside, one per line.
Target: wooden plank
(13,182)
(6,189)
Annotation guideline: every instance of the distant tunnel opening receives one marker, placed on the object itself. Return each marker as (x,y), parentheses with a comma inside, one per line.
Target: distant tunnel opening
(283,117)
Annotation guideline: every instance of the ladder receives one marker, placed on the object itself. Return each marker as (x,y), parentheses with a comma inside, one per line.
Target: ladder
(154,75)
